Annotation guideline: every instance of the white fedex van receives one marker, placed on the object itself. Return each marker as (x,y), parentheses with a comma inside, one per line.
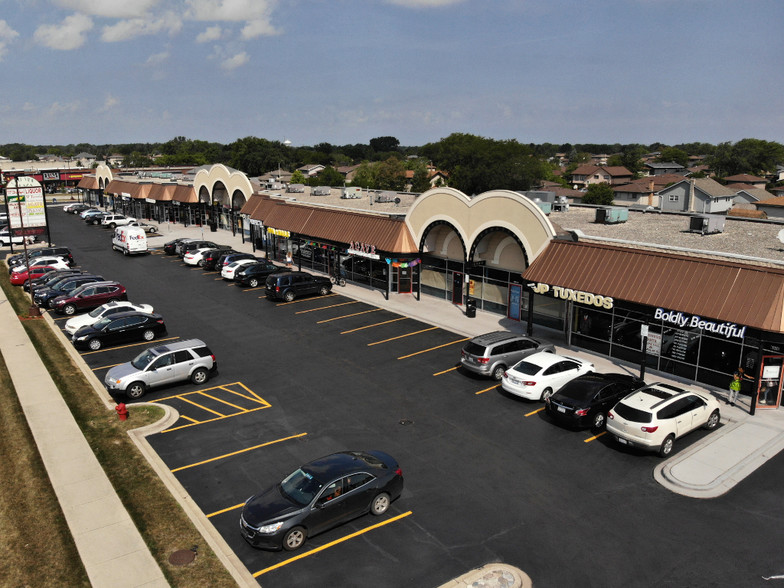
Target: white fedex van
(129,240)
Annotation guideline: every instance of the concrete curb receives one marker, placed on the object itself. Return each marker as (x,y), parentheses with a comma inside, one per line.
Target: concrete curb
(495,575)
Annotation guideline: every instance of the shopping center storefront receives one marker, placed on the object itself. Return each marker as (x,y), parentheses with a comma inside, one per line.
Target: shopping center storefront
(698,318)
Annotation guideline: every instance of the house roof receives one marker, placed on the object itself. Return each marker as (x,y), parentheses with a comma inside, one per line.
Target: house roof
(664,165)
(708,186)
(759,194)
(612,170)
(745,178)
(723,290)
(775,201)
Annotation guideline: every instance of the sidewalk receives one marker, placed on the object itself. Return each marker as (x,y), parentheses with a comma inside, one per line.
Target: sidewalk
(109,544)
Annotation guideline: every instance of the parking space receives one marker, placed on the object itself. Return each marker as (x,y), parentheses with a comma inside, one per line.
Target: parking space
(488,476)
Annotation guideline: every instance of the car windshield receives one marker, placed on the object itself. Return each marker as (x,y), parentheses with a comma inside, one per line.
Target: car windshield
(96,312)
(527,368)
(142,360)
(300,487)
(102,323)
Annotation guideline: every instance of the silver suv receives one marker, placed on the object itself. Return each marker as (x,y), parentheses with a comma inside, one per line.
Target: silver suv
(165,364)
(492,353)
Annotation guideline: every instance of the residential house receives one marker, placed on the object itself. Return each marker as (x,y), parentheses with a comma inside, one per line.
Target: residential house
(748,194)
(585,175)
(311,169)
(773,207)
(348,171)
(703,195)
(115,160)
(660,168)
(84,159)
(755,181)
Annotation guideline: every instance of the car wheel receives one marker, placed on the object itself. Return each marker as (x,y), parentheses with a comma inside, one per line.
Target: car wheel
(323,291)
(69,309)
(294,538)
(498,372)
(200,263)
(546,393)
(95,222)
(135,390)
(288,296)
(199,376)
(148,335)
(94,344)
(666,446)
(713,420)
(112,226)
(599,420)
(253,282)
(125,252)
(380,504)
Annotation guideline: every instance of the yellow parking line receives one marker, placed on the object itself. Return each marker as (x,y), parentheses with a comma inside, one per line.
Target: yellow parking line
(323,547)
(189,418)
(488,389)
(348,315)
(433,348)
(105,367)
(533,412)
(154,341)
(252,289)
(446,371)
(233,453)
(202,406)
(217,512)
(595,437)
(62,318)
(216,279)
(301,300)
(402,318)
(402,336)
(324,307)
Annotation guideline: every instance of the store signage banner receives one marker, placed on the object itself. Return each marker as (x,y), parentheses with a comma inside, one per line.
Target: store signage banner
(515,296)
(25,200)
(692,321)
(572,295)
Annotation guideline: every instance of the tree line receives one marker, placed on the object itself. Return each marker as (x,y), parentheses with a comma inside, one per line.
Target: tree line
(472,164)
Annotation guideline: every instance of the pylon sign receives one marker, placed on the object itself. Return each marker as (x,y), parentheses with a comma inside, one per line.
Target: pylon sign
(26,209)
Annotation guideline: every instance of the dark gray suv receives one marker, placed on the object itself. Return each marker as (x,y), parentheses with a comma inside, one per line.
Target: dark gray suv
(490,354)
(289,285)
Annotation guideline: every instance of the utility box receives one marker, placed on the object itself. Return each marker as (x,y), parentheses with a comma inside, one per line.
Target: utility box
(707,224)
(610,215)
(386,196)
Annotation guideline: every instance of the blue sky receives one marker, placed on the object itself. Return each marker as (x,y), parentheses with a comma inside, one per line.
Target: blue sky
(345,71)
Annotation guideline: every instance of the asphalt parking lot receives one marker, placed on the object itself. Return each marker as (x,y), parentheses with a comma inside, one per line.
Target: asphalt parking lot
(488,477)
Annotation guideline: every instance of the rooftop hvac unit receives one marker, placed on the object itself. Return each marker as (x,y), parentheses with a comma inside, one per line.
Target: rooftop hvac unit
(610,215)
(386,196)
(707,224)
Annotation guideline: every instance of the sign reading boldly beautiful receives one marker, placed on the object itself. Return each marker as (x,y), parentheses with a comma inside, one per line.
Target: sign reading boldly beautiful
(25,200)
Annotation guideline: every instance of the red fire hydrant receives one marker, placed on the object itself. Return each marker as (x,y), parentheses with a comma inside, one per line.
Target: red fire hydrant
(122,412)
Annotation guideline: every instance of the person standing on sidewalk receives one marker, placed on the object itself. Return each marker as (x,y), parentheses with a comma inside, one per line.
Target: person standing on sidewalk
(734,389)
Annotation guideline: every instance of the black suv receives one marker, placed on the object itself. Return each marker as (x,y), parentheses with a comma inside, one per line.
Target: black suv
(63,252)
(230,257)
(210,258)
(44,296)
(254,274)
(51,277)
(189,246)
(288,285)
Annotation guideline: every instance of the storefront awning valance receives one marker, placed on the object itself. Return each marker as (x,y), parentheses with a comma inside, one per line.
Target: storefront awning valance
(136,190)
(339,226)
(161,192)
(723,290)
(88,183)
(185,194)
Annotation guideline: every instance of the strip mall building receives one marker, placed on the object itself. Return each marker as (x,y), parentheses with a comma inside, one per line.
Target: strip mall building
(695,316)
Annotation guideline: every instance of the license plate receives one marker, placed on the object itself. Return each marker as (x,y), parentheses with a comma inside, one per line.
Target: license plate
(561,409)
(622,441)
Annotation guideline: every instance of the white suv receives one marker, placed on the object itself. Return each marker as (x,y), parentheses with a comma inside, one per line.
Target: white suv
(654,416)
(116,220)
(165,364)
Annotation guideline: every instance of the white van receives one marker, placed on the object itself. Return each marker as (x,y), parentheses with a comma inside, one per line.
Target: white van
(130,240)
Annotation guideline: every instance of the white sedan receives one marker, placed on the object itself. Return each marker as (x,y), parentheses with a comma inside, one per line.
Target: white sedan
(7,239)
(108,309)
(540,374)
(196,257)
(227,273)
(53,262)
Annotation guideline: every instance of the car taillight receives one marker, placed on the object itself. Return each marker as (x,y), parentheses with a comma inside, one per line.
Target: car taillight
(159,321)
(581,412)
(212,355)
(649,429)
(399,472)
(483,360)
(277,288)
(610,415)
(529,383)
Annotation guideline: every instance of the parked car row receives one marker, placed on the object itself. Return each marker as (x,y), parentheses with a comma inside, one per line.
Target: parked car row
(648,417)
(95,216)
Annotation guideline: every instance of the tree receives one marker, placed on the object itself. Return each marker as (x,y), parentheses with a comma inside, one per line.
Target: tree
(297,177)
(328,176)
(669,154)
(599,194)
(749,156)
(384,144)
(364,177)
(390,175)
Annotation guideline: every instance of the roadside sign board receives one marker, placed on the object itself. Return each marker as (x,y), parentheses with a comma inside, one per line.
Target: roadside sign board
(26,208)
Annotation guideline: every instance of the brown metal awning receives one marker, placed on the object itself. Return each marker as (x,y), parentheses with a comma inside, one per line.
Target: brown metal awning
(718,289)
(340,226)
(185,194)
(88,183)
(162,192)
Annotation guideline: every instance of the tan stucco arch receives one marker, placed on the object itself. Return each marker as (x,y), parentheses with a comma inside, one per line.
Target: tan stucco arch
(104,175)
(470,217)
(220,183)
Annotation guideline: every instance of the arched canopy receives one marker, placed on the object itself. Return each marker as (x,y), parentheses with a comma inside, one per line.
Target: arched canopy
(220,184)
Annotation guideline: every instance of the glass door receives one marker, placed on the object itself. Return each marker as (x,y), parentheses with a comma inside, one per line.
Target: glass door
(769,389)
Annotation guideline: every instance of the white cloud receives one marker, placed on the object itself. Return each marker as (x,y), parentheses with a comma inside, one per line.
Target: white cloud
(210,34)
(236,61)
(57,109)
(424,3)
(110,8)
(68,35)
(7,36)
(109,103)
(29,106)
(157,58)
(135,27)
(255,12)
(258,28)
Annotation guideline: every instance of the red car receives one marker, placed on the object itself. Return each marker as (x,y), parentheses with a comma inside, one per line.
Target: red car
(19,278)
(88,296)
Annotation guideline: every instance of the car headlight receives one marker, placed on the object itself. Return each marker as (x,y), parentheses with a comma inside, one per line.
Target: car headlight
(270,529)
(82,338)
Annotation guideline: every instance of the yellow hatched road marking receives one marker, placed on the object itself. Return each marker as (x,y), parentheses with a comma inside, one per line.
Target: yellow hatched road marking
(324,307)
(402,318)
(228,416)
(595,437)
(189,418)
(446,371)
(126,346)
(202,407)
(402,336)
(233,453)
(488,389)
(332,543)
(217,512)
(533,412)
(433,348)
(223,401)
(348,315)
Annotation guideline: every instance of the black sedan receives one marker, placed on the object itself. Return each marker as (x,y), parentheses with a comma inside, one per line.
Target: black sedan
(584,401)
(119,328)
(210,258)
(321,495)
(170,247)
(254,274)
